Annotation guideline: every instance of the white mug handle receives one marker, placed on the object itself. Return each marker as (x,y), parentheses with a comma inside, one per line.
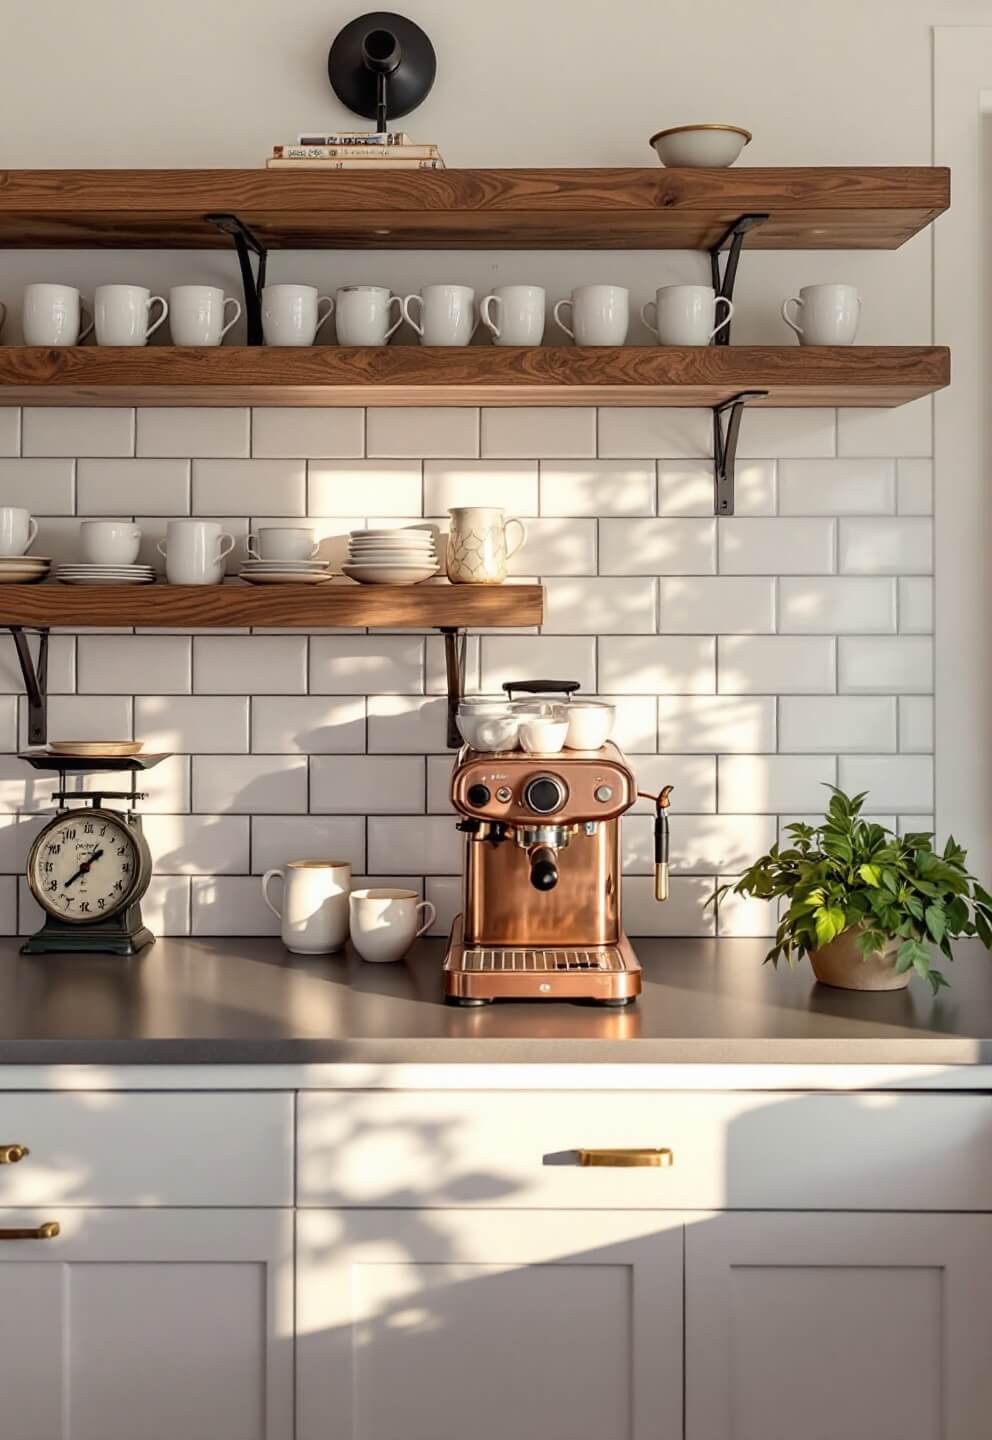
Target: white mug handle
(793,300)
(722,300)
(487,320)
(426,905)
(161,319)
(85,305)
(230,300)
(323,319)
(475,327)
(559,321)
(32,533)
(513,520)
(160,547)
(222,550)
(315,549)
(405,304)
(396,300)
(651,324)
(251,546)
(267,879)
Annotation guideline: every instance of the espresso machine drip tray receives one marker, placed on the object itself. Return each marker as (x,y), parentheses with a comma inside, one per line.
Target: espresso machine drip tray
(607,958)
(475,974)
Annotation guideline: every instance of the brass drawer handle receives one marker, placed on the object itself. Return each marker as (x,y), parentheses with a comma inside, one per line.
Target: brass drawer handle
(11,1154)
(660,1158)
(48,1230)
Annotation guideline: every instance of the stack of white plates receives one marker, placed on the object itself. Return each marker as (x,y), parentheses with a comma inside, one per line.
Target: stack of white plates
(23,569)
(286,572)
(82,573)
(391,557)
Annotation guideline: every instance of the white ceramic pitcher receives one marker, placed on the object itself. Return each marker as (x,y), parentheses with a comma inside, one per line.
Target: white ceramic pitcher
(477,551)
(315,907)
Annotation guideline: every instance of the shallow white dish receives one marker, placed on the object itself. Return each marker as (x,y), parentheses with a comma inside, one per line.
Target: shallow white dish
(710,147)
(389,574)
(94,749)
(391,557)
(22,577)
(304,566)
(286,577)
(400,531)
(106,579)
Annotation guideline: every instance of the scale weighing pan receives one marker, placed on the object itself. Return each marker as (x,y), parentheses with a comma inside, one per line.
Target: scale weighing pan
(42,759)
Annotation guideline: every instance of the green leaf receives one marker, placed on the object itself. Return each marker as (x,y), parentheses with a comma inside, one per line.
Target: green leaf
(871,875)
(905,957)
(936,922)
(984,929)
(937,981)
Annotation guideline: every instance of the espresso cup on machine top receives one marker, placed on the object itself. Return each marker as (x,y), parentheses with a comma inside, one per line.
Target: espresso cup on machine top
(196,314)
(282,542)
(363,314)
(600,315)
(314,912)
(195,551)
(446,314)
(686,314)
(121,314)
(829,314)
(519,314)
(384,922)
(52,315)
(18,530)
(109,542)
(291,314)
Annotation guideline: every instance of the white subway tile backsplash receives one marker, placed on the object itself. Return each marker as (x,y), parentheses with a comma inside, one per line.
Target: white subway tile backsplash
(277,839)
(364,487)
(230,905)
(250,664)
(196,724)
(903,782)
(366,665)
(526,657)
(58,538)
(199,432)
(916,724)
(727,604)
(654,433)
(711,724)
(915,605)
(132,487)
(831,604)
(555,546)
(767,784)
(600,607)
(421,432)
(891,665)
(770,664)
(406,724)
(832,723)
(166,785)
(598,487)
(127,664)
(309,725)
(84,717)
(298,432)
(439,768)
(408,844)
(74,430)
(836,487)
(902,546)
(198,844)
(8,722)
(766,546)
(657,547)
(657,664)
(445,894)
(915,487)
(61,664)
(703,844)
(786,434)
(549,432)
(743,915)
(435,669)
(45,487)
(367,784)
(249,784)
(635,722)
(904,430)
(10,430)
(685,912)
(249,487)
(512,484)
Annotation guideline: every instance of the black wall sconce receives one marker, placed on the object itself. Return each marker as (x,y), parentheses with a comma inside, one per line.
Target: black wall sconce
(381,66)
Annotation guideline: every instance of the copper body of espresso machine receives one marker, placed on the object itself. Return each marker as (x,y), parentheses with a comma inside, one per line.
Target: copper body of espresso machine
(541,917)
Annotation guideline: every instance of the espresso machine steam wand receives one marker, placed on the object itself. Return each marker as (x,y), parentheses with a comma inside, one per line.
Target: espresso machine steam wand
(662,802)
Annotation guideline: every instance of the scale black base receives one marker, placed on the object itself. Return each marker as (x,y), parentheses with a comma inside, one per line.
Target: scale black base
(122,934)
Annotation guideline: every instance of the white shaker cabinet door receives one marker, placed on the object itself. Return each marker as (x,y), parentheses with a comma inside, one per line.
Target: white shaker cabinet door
(484,1325)
(147,1325)
(838,1327)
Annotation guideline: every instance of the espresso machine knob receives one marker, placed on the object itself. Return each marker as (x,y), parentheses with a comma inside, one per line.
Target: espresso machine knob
(544,794)
(478,796)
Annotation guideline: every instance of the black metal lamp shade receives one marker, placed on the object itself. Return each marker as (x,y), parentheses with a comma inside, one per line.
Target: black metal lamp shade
(381,66)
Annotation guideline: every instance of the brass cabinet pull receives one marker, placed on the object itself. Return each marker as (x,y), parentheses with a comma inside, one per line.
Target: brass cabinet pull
(660,1158)
(10,1154)
(48,1230)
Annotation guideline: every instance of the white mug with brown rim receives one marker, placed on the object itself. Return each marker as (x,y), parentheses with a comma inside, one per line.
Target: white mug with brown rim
(477,550)
(314,911)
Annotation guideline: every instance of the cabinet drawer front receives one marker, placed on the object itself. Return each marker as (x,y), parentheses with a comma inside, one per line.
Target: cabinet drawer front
(784,1150)
(107,1148)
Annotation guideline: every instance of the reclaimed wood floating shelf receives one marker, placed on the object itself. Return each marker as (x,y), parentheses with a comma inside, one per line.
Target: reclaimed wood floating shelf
(330,375)
(411,607)
(809,208)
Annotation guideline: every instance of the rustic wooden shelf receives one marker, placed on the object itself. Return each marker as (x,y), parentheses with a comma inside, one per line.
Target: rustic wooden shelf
(330,375)
(413,607)
(809,208)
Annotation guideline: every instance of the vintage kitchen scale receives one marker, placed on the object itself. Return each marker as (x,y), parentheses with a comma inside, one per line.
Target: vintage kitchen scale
(90,866)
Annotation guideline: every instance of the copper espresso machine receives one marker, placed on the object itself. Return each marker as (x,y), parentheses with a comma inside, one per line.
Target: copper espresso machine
(541,916)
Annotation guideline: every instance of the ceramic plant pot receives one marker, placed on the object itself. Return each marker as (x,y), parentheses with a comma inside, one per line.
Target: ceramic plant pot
(842,965)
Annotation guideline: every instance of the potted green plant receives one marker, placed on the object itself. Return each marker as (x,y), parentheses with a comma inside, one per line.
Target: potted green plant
(865,904)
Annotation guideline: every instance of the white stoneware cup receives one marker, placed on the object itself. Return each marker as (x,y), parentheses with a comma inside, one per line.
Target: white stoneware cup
(384,922)
(109,542)
(121,313)
(686,314)
(830,314)
(446,314)
(291,314)
(477,552)
(314,911)
(514,314)
(195,551)
(18,531)
(600,315)
(363,314)
(196,314)
(282,542)
(52,315)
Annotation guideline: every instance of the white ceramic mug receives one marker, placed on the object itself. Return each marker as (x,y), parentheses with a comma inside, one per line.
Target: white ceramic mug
(195,551)
(291,314)
(686,314)
(52,315)
(121,314)
(519,317)
(109,542)
(477,551)
(600,315)
(830,314)
(315,908)
(363,314)
(196,314)
(18,530)
(384,922)
(446,314)
(282,542)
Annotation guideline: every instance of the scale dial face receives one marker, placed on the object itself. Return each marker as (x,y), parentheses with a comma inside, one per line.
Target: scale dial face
(86,865)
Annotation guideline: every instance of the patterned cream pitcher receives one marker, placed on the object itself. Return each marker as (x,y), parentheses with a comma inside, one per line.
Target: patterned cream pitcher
(477,549)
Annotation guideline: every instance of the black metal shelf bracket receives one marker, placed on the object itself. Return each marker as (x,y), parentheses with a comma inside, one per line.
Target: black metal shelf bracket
(246,244)
(731,241)
(35,682)
(725,448)
(455,642)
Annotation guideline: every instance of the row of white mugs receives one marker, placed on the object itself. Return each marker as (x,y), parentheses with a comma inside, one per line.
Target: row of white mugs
(319,910)
(440,314)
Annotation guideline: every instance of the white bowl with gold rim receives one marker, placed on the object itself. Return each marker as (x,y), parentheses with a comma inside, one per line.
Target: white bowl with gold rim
(708,147)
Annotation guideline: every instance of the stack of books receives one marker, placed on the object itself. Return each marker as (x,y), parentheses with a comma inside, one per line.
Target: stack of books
(355,150)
